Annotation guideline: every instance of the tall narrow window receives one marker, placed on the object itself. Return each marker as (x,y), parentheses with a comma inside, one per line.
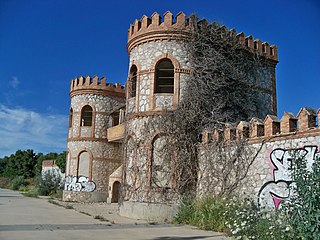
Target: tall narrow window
(164,80)
(70,118)
(133,81)
(86,116)
(83,164)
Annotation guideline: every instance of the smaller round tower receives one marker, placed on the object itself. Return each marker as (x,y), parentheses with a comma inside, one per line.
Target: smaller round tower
(90,158)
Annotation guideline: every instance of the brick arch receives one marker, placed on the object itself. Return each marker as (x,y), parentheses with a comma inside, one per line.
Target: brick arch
(129,84)
(174,61)
(155,162)
(176,90)
(93,118)
(135,62)
(89,163)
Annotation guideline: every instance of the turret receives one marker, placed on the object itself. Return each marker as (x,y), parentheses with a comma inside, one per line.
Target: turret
(90,158)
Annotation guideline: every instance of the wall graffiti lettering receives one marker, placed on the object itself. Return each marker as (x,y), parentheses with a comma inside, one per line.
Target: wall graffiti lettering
(79,184)
(272,193)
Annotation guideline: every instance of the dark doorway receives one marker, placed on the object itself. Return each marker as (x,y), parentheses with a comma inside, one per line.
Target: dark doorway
(115,192)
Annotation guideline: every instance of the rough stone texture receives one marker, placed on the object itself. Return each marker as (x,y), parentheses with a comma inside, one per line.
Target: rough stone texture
(270,172)
(164,102)
(85,197)
(104,157)
(145,56)
(148,178)
(150,211)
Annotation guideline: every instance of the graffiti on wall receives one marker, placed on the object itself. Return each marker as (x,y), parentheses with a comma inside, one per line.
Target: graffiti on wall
(274,192)
(79,184)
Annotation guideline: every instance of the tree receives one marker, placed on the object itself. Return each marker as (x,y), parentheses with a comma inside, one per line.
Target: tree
(22,163)
(61,161)
(224,87)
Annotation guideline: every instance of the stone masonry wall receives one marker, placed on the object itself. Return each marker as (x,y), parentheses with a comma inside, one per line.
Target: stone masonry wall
(104,157)
(278,144)
(145,57)
(145,178)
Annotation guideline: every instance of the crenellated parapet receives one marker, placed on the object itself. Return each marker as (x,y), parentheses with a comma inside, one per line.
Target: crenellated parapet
(154,28)
(157,28)
(270,129)
(83,85)
(257,46)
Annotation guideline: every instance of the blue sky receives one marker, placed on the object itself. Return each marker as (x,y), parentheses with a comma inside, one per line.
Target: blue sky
(46,43)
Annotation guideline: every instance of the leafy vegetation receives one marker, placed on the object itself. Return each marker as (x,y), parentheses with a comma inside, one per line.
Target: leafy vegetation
(49,183)
(298,219)
(304,206)
(23,171)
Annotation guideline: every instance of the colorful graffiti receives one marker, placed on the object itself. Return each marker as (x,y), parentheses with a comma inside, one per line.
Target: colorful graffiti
(272,193)
(79,184)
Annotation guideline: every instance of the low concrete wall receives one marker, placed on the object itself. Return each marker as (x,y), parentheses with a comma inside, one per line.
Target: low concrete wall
(72,196)
(153,212)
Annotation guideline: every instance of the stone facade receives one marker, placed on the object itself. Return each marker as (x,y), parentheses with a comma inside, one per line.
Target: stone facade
(269,178)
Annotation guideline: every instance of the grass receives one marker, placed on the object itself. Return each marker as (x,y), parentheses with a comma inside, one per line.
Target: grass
(30,191)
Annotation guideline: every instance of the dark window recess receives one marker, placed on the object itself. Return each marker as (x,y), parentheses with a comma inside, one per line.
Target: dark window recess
(70,118)
(115,119)
(133,81)
(164,77)
(86,116)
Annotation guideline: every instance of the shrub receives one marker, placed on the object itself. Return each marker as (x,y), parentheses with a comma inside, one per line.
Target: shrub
(5,182)
(303,209)
(31,192)
(246,221)
(18,182)
(206,213)
(49,183)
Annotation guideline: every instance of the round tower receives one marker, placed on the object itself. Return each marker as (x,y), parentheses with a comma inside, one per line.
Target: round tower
(158,71)
(90,158)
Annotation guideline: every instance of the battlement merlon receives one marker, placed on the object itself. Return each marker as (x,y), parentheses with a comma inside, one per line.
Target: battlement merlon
(150,29)
(269,129)
(87,85)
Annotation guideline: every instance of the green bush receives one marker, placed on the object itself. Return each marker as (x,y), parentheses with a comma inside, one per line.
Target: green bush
(246,221)
(49,183)
(18,182)
(241,219)
(303,209)
(206,213)
(31,191)
(5,182)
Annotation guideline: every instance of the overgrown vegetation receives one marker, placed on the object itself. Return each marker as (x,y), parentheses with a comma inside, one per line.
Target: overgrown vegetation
(297,219)
(23,171)
(226,85)
(49,183)
(303,208)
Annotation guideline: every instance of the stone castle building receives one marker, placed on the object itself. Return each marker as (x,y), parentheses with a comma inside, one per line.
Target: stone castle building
(111,144)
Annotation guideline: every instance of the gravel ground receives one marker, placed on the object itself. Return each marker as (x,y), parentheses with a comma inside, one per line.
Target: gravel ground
(103,211)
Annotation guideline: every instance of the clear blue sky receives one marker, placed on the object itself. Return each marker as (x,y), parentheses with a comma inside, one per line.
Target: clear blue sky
(46,43)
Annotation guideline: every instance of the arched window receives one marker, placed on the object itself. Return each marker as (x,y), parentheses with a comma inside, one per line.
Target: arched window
(161,162)
(83,164)
(86,116)
(70,118)
(133,81)
(164,78)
